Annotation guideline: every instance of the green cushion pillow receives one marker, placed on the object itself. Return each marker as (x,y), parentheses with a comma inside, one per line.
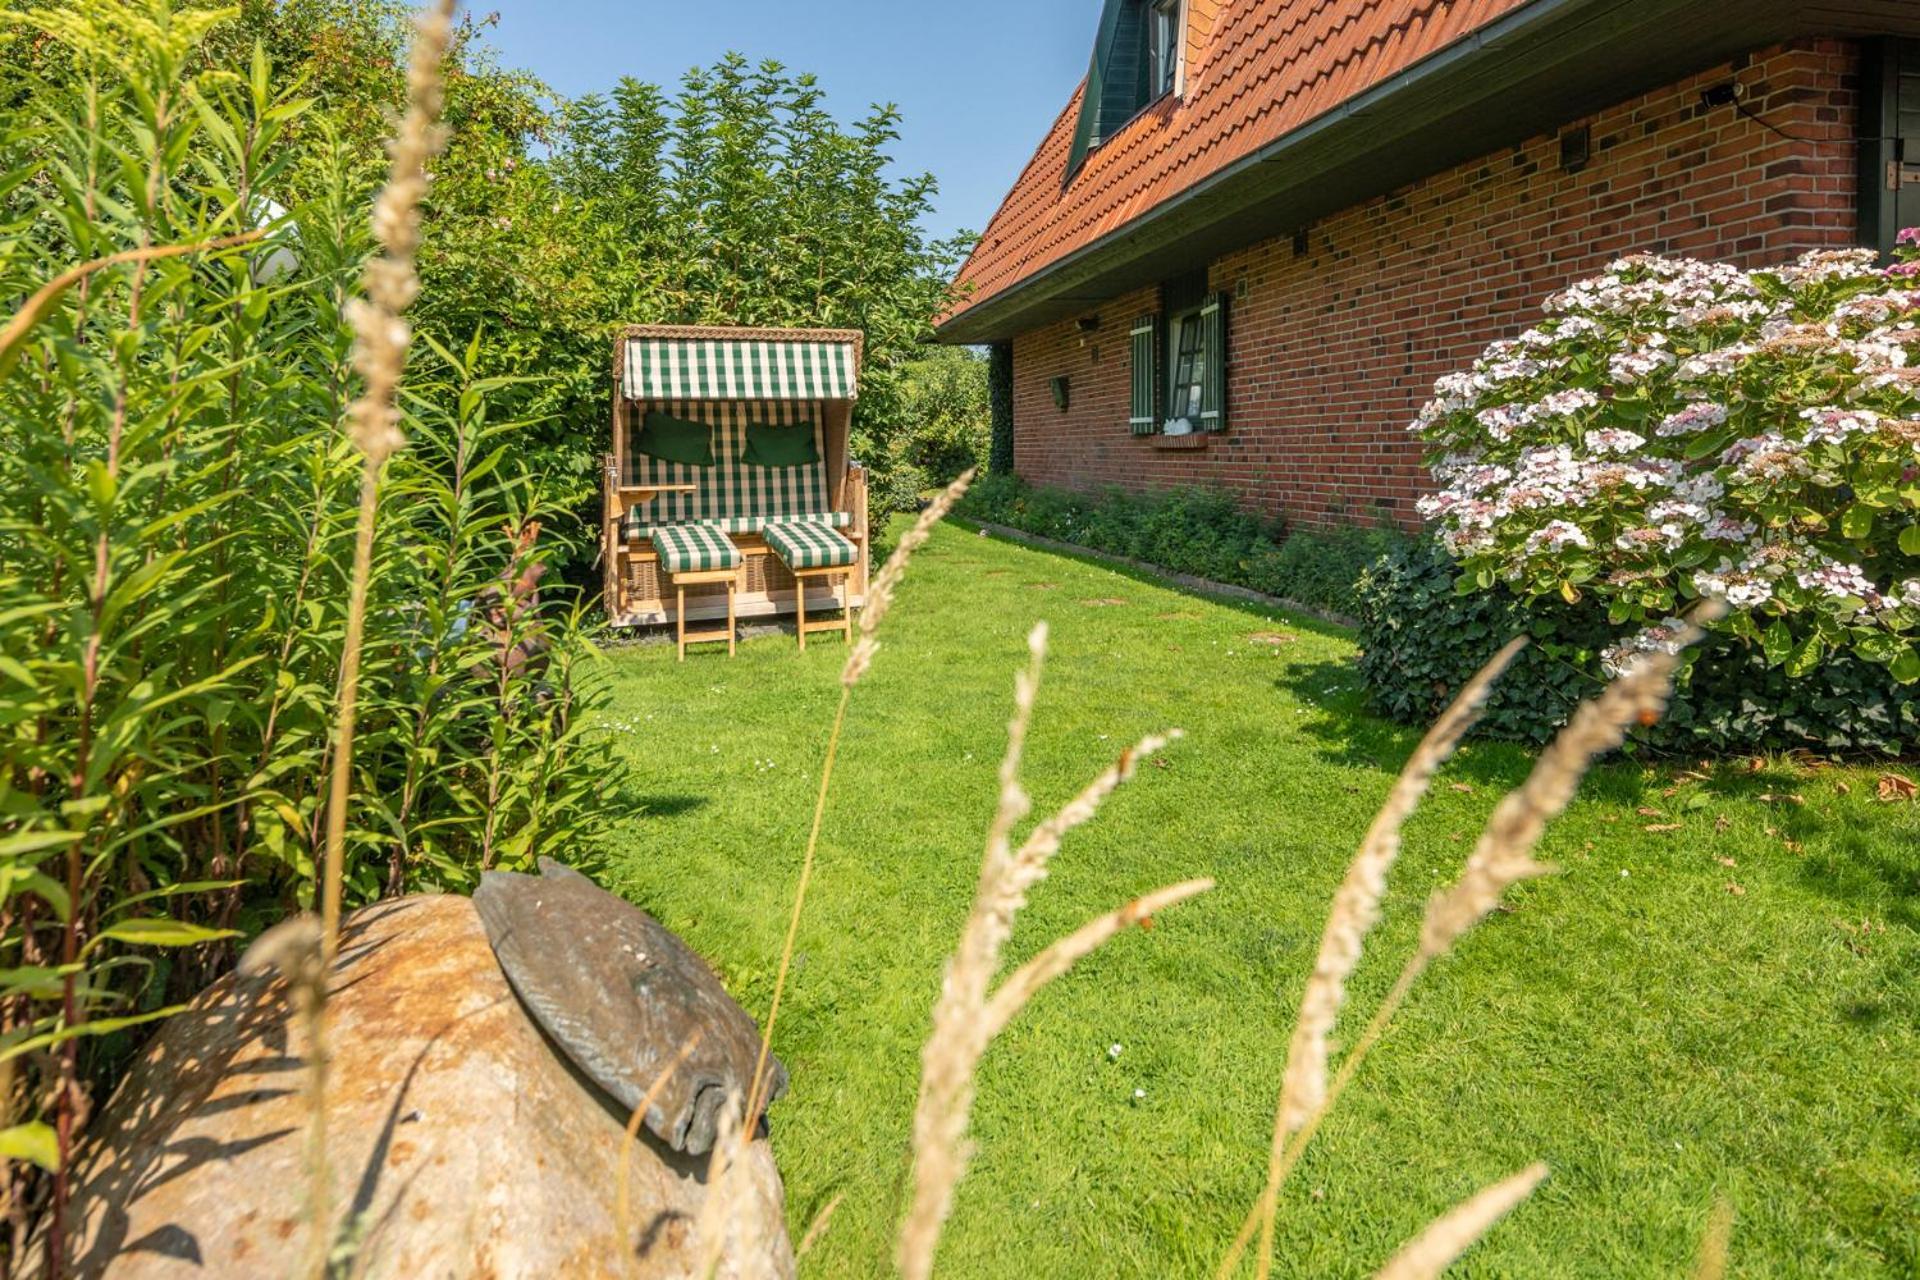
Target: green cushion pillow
(672,439)
(790,446)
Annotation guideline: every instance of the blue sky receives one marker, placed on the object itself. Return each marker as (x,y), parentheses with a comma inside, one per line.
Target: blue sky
(977,83)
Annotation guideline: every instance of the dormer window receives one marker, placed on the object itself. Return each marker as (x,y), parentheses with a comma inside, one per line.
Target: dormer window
(1163,47)
(1136,62)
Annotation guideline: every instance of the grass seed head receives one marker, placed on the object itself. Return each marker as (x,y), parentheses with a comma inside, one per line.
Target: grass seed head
(1356,904)
(1454,1232)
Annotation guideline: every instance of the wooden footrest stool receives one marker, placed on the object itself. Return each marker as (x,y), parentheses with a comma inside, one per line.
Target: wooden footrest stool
(691,554)
(811,550)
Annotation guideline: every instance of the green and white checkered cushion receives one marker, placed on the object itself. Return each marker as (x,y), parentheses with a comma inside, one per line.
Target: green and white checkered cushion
(755,524)
(810,546)
(693,548)
(732,496)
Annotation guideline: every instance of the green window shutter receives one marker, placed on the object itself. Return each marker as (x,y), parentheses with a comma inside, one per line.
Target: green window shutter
(1213,387)
(1889,129)
(1144,415)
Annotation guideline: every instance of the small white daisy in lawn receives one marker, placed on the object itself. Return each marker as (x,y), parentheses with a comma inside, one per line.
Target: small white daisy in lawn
(1113,1051)
(1624,873)
(1138,1094)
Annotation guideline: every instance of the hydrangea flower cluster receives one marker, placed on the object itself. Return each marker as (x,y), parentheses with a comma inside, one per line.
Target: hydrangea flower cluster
(1673,429)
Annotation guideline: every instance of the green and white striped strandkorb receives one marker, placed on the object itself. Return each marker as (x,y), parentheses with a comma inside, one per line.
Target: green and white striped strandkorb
(694,548)
(732,496)
(810,546)
(738,369)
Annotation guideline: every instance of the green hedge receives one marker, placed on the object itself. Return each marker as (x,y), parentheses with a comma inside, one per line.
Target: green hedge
(1422,640)
(1198,531)
(1000,406)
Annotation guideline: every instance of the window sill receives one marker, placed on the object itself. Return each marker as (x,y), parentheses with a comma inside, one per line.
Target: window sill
(1197,440)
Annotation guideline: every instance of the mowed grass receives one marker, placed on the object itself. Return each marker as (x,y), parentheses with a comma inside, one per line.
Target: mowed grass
(1729,1007)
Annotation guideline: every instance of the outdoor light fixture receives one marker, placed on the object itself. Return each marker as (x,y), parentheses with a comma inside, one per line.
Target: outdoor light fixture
(1059,386)
(1089,324)
(1576,148)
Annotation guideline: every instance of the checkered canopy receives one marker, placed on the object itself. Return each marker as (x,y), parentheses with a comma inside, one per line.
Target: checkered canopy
(738,369)
(732,496)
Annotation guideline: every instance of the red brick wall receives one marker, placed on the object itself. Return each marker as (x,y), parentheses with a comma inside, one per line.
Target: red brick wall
(1330,354)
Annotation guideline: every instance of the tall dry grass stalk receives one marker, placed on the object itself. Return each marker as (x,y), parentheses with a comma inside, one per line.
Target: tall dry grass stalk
(818,1227)
(1716,1243)
(887,581)
(381,339)
(879,600)
(1502,857)
(724,1200)
(622,1198)
(1356,909)
(1356,904)
(969,1012)
(725,1216)
(1454,1232)
(293,949)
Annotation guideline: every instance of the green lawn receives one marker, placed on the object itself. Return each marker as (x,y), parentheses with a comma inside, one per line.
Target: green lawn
(1732,1006)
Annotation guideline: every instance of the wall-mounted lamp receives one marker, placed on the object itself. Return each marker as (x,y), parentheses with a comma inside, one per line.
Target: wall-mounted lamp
(1576,148)
(1088,324)
(1059,387)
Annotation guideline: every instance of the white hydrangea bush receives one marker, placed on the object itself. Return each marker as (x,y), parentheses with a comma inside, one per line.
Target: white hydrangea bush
(1675,429)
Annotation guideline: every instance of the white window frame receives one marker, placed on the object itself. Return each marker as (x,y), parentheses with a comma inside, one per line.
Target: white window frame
(1168,23)
(1184,402)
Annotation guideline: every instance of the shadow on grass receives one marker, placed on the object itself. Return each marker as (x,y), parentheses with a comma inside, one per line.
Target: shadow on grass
(666,806)
(1856,876)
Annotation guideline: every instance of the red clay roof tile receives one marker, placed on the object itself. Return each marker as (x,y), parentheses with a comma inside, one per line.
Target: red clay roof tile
(1268,67)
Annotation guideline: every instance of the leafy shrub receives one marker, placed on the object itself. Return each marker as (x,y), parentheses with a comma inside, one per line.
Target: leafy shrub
(1322,567)
(1203,532)
(1000,406)
(178,528)
(897,488)
(1675,429)
(946,421)
(1422,638)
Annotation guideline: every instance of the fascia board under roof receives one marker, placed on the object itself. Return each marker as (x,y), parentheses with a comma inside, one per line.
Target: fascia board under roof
(1053,287)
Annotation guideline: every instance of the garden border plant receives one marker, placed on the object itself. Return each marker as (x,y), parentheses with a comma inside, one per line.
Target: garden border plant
(1202,532)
